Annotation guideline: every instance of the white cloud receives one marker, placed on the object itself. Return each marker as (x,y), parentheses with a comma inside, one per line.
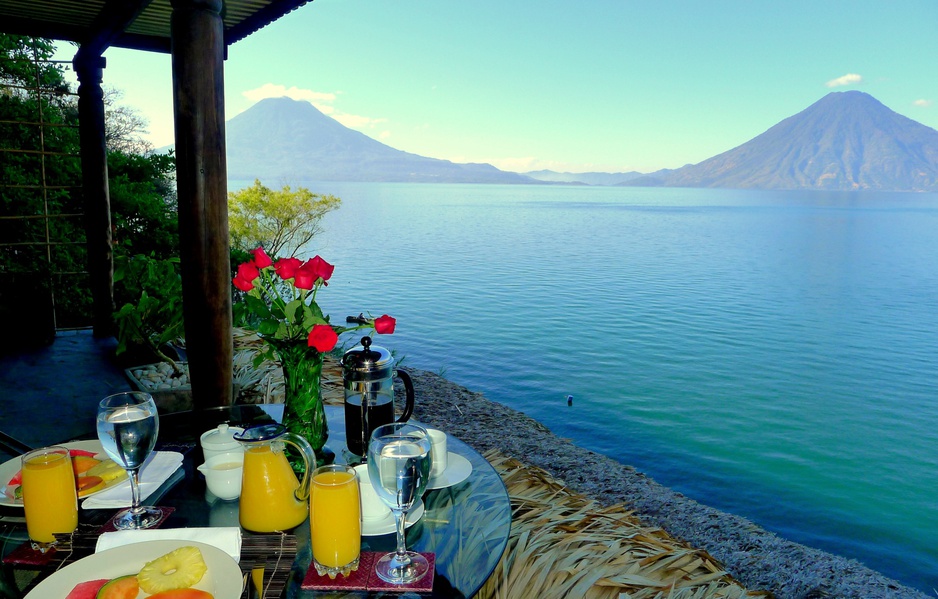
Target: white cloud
(270,90)
(384,135)
(323,101)
(848,79)
(355,121)
(923,103)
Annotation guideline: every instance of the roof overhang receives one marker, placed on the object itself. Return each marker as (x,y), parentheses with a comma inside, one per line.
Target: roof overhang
(136,24)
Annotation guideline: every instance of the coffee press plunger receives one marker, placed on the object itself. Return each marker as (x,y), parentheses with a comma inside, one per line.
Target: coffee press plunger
(368,379)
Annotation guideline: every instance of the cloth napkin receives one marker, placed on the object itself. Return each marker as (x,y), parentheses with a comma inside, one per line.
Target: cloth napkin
(153,474)
(228,539)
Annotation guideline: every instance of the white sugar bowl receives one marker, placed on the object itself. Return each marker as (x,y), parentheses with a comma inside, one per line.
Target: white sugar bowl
(220,440)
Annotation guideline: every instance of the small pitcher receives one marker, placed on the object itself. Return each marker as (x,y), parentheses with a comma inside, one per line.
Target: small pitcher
(271,497)
(368,378)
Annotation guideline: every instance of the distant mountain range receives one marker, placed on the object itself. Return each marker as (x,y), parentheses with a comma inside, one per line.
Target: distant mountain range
(844,141)
(283,139)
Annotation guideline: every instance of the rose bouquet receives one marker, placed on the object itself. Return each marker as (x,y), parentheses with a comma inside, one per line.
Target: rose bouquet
(280,298)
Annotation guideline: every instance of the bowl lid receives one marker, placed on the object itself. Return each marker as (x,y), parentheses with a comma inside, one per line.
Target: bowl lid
(223,436)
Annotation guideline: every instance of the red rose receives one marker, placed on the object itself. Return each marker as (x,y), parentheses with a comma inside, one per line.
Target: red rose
(322,337)
(384,325)
(304,277)
(261,259)
(247,273)
(286,267)
(242,284)
(321,268)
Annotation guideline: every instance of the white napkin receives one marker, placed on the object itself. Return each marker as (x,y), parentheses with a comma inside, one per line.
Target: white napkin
(228,539)
(153,474)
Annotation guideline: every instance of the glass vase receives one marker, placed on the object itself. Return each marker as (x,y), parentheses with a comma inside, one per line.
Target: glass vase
(303,411)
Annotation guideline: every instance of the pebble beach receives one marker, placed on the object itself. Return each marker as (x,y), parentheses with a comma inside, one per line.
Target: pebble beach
(757,558)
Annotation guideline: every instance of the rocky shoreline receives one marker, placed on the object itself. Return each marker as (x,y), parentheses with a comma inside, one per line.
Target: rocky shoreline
(758,559)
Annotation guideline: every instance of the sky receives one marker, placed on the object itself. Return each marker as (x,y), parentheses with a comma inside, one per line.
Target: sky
(598,85)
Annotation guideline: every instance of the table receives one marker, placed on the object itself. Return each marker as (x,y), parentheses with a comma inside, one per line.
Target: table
(466,525)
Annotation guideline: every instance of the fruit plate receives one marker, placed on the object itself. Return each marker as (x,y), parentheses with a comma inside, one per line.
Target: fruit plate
(223,579)
(9,469)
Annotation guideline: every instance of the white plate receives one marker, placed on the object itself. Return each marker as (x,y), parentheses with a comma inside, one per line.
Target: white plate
(457,470)
(9,468)
(387,525)
(223,579)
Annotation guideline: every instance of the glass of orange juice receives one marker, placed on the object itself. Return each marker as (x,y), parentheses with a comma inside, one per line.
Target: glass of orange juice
(335,520)
(49,496)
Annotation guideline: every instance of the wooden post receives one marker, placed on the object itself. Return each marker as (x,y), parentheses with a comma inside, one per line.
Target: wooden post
(201,178)
(95,191)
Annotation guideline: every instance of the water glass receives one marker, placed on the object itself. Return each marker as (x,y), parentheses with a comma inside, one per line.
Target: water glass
(335,520)
(399,468)
(49,496)
(128,425)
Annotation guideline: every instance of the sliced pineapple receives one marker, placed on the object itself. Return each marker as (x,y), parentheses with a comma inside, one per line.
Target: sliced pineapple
(178,569)
(108,470)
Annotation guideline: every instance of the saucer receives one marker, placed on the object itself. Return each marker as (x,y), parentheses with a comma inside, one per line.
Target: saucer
(457,470)
(386,525)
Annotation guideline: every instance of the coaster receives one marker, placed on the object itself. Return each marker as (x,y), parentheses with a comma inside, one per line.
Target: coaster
(355,581)
(365,579)
(166,511)
(424,585)
(25,555)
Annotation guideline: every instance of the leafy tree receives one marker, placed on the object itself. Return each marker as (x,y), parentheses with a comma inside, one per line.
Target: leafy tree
(143,199)
(143,204)
(280,221)
(38,172)
(124,126)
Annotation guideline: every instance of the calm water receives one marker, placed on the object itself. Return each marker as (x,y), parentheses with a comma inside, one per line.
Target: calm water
(772,354)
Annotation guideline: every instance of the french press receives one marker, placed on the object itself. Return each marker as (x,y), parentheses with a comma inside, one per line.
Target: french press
(368,377)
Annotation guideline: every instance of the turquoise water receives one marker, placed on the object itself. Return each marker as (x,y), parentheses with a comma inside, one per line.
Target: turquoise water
(772,354)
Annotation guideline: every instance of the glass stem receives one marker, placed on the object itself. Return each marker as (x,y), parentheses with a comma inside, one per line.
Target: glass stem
(135,508)
(400,519)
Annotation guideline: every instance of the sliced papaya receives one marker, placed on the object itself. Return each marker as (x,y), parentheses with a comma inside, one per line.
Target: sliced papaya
(83,463)
(86,485)
(87,590)
(124,587)
(183,594)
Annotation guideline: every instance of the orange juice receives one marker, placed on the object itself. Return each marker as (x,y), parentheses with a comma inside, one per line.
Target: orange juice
(49,497)
(335,520)
(268,492)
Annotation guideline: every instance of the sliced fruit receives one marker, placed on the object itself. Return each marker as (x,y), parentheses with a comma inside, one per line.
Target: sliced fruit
(83,463)
(17,478)
(178,569)
(108,470)
(87,590)
(125,587)
(183,594)
(86,485)
(81,452)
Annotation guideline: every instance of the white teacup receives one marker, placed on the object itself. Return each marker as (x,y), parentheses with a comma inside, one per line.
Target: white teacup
(372,507)
(438,452)
(223,474)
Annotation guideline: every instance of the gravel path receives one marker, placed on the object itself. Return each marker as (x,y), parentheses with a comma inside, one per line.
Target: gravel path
(757,558)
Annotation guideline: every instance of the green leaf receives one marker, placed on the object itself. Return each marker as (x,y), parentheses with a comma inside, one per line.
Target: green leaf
(268,327)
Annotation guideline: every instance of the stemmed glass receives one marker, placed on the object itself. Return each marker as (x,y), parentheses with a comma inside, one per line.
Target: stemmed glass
(399,467)
(127,428)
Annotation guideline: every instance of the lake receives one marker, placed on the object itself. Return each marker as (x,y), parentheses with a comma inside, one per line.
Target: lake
(771,354)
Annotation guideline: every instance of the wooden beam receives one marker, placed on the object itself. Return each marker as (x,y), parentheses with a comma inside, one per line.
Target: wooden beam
(110,23)
(201,178)
(95,191)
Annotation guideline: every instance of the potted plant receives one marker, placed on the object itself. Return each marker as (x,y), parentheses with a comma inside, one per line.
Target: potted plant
(150,328)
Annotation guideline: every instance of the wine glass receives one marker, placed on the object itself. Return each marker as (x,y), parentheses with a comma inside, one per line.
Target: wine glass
(127,428)
(399,467)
